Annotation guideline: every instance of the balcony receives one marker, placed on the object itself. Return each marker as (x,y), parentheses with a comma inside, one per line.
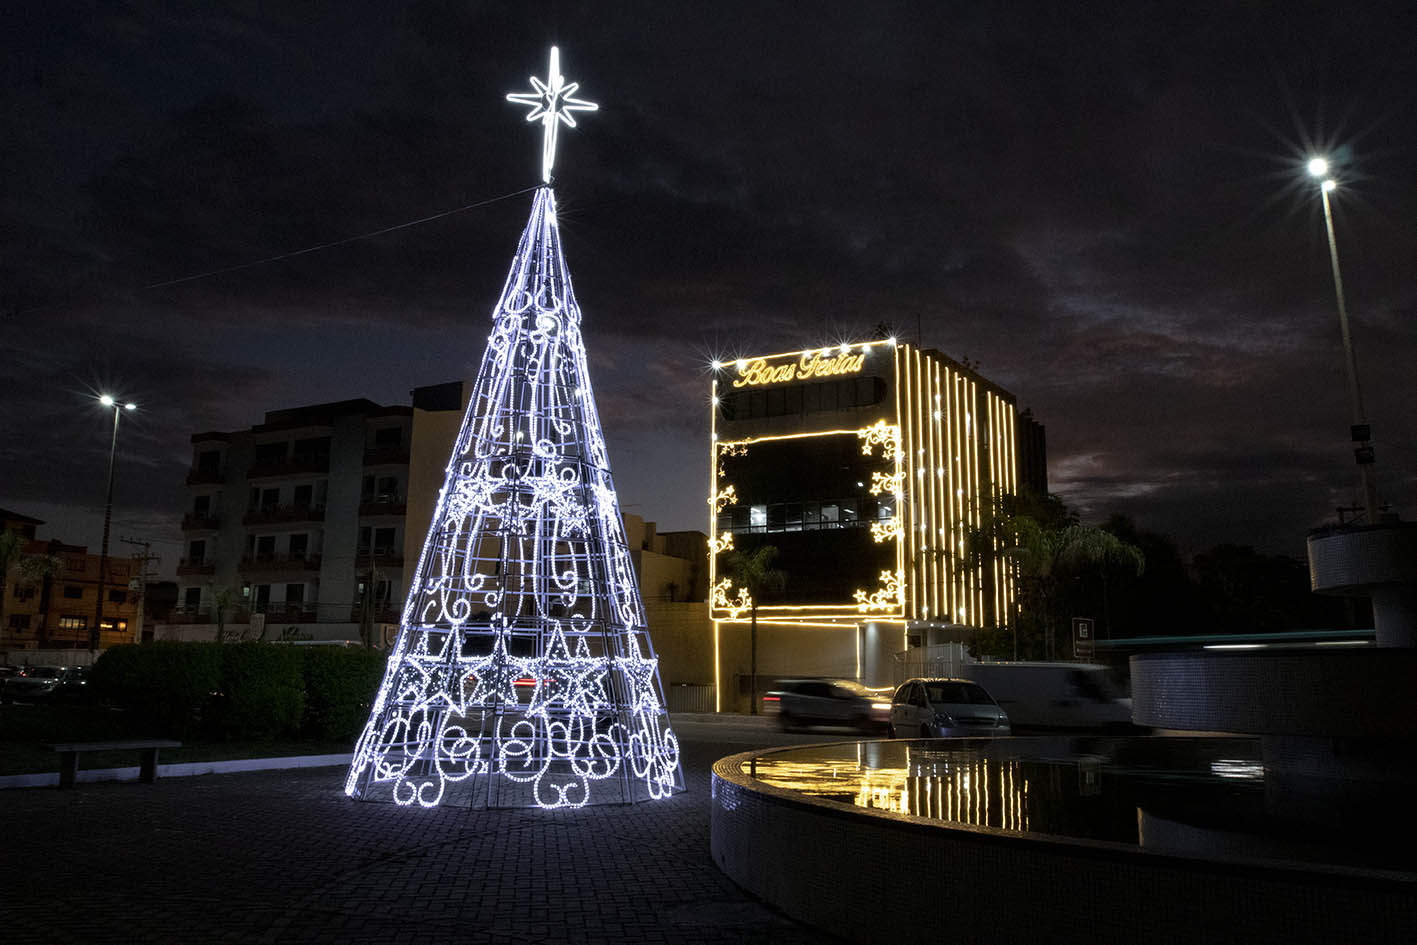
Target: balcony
(386,456)
(275,514)
(206,477)
(185,616)
(386,503)
(278,564)
(192,522)
(384,556)
(290,465)
(196,566)
(382,614)
(292,611)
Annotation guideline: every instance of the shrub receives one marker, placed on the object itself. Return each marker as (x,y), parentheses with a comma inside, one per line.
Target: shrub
(262,691)
(340,686)
(167,688)
(242,690)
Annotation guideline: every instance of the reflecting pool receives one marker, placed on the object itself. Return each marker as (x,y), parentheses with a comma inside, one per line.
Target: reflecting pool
(1210,797)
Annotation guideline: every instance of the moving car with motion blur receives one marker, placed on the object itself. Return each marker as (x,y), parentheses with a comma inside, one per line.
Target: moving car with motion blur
(945,708)
(835,702)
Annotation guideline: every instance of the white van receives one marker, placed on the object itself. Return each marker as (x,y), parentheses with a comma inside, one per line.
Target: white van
(1054,695)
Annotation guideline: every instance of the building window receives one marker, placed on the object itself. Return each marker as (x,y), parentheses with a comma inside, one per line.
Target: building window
(209,461)
(294,593)
(388,437)
(299,545)
(192,599)
(303,496)
(197,552)
(73,591)
(268,453)
(73,623)
(201,506)
(19,621)
(24,591)
(384,542)
(117,597)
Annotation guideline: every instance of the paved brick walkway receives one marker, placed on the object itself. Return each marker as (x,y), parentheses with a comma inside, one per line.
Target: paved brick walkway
(284,856)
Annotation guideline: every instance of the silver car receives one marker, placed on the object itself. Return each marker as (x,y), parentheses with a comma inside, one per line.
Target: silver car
(943,708)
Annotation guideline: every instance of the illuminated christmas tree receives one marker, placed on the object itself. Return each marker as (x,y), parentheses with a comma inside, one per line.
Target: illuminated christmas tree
(523,672)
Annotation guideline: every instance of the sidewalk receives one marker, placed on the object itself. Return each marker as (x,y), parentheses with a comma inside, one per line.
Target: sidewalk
(284,856)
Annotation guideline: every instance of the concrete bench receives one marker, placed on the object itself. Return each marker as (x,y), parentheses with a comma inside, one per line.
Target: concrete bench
(147,747)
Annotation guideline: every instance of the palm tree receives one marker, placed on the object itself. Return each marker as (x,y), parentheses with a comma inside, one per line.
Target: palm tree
(1047,552)
(753,570)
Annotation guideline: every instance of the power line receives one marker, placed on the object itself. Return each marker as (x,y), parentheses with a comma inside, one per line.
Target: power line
(341,242)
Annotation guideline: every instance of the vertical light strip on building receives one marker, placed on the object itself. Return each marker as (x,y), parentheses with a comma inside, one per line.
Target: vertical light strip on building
(939,565)
(976,607)
(923,473)
(905,413)
(713,529)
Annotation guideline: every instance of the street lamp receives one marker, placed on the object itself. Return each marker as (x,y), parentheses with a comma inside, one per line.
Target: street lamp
(1360,431)
(108,401)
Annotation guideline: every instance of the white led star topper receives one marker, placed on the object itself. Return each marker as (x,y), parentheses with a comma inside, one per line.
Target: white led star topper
(552,103)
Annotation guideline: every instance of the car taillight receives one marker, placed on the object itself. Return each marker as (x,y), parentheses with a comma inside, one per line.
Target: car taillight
(772,698)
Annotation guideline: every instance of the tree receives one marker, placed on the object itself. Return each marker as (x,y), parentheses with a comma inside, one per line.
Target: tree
(28,569)
(224,601)
(753,571)
(12,546)
(1048,553)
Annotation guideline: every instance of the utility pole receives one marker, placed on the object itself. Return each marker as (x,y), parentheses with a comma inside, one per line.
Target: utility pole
(144,559)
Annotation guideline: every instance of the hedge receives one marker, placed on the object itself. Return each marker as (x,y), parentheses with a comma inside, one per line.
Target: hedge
(240,691)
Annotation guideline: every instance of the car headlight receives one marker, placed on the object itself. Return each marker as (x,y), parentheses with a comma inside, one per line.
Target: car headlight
(942,719)
(880,705)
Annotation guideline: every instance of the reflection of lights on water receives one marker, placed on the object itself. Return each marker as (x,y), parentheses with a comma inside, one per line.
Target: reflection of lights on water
(962,789)
(1237,769)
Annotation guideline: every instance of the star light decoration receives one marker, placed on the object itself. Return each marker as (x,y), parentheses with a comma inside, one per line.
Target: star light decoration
(523,673)
(552,104)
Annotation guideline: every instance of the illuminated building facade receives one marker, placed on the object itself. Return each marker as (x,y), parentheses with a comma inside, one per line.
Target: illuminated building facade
(875,470)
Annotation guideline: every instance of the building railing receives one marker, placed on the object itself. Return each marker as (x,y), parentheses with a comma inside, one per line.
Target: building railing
(205,477)
(387,556)
(287,562)
(196,566)
(193,522)
(269,514)
(386,503)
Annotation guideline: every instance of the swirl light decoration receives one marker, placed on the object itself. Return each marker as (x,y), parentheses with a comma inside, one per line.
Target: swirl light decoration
(523,674)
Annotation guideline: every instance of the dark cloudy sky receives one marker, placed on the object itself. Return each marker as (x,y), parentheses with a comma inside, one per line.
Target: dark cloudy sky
(1103,205)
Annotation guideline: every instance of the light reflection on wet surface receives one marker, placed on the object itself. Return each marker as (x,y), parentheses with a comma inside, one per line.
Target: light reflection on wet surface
(1194,796)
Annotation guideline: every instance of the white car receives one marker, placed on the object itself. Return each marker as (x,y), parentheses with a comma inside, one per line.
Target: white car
(944,708)
(801,703)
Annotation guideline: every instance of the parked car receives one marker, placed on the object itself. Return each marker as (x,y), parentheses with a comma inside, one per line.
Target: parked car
(836,702)
(943,708)
(33,683)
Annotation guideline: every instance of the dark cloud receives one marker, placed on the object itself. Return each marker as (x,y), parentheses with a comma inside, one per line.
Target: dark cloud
(1103,205)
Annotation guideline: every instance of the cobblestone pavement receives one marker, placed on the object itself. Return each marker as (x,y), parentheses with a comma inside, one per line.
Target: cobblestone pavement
(284,856)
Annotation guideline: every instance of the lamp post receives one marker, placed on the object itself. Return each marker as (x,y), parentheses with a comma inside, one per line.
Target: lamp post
(1361,432)
(108,401)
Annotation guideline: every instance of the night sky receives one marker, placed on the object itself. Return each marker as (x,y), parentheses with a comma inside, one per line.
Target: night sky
(1103,205)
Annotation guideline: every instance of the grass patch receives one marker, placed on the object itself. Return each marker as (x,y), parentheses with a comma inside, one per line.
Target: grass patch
(27,730)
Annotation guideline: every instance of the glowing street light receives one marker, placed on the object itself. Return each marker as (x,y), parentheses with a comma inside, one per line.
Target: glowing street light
(1361,432)
(108,401)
